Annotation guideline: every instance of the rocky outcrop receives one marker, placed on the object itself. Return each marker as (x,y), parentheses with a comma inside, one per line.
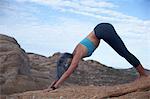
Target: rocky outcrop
(13,61)
(139,89)
(21,72)
(12,57)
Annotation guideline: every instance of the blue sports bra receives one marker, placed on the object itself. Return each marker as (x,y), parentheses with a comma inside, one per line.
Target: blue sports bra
(89,45)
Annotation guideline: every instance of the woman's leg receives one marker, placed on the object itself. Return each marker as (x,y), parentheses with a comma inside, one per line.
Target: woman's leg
(141,71)
(107,32)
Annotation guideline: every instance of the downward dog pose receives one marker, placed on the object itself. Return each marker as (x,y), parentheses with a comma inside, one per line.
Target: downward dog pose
(87,46)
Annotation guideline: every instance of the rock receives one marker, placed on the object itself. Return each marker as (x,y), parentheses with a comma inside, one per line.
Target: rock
(12,57)
(13,61)
(17,72)
(21,72)
(139,89)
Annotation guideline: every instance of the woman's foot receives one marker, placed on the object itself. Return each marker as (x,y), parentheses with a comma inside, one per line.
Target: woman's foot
(141,71)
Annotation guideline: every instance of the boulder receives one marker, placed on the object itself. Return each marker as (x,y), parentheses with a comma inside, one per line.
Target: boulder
(12,57)
(20,71)
(13,62)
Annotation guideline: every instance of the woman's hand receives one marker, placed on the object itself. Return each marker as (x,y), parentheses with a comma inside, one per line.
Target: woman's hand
(51,87)
(47,90)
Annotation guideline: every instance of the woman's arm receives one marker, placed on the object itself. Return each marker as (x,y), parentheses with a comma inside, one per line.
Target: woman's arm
(76,58)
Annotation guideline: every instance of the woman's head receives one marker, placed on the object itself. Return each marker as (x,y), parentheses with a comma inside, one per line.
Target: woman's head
(63,64)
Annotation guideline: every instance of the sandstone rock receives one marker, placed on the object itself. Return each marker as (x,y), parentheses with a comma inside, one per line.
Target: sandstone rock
(16,72)
(13,61)
(21,71)
(139,89)
(12,56)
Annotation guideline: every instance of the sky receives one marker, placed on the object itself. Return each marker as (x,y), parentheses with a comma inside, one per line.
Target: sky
(49,26)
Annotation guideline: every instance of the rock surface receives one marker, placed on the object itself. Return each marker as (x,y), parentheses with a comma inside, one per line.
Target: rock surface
(13,62)
(139,89)
(21,72)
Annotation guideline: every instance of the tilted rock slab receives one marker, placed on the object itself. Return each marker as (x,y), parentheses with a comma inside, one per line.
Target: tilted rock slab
(139,89)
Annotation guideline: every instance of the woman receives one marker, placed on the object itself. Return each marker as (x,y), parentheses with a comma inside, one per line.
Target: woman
(87,46)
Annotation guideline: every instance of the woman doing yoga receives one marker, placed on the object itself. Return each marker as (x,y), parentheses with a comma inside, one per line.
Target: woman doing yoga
(87,46)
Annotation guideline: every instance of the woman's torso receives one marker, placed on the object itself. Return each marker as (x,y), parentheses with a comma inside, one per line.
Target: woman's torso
(80,49)
(93,38)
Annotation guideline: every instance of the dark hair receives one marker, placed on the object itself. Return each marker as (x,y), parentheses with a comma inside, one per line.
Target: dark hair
(63,64)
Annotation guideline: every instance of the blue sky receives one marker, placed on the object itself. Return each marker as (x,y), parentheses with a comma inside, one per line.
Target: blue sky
(48,26)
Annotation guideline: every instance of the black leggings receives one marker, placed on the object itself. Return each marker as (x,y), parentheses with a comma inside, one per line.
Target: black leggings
(107,32)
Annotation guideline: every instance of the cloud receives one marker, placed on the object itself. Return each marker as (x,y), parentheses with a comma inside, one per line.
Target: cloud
(102,10)
(23,21)
(127,26)
(73,3)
